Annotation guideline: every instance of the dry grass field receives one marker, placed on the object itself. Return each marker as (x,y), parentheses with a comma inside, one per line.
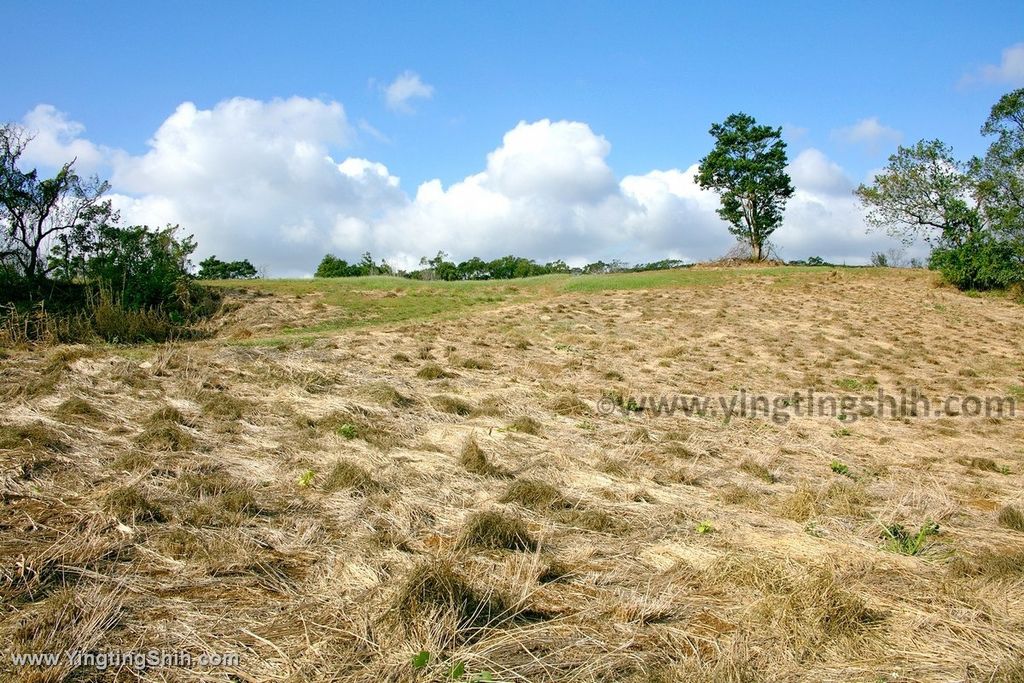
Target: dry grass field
(350,473)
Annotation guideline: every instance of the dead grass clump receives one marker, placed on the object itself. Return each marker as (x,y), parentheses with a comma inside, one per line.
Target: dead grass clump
(433,371)
(554,571)
(240,501)
(1012,518)
(609,465)
(476,364)
(348,475)
(168,414)
(734,494)
(433,586)
(491,406)
(222,506)
(69,618)
(524,424)
(534,494)
(1011,669)
(590,519)
(846,499)
(207,481)
(181,544)
(386,395)
(818,612)
(569,405)
(77,407)
(981,464)
(474,460)
(203,515)
(749,571)
(452,404)
(496,530)
(990,564)
(225,407)
(756,469)
(638,435)
(359,423)
(738,662)
(53,370)
(129,504)
(34,436)
(165,435)
(132,461)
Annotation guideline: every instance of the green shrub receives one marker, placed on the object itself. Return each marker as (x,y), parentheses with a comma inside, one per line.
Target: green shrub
(899,539)
(982,262)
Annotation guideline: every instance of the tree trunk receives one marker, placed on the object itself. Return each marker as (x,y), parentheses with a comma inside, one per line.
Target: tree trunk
(30,268)
(755,251)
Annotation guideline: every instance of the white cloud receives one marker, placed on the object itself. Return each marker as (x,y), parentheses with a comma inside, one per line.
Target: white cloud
(1009,70)
(869,133)
(812,171)
(794,133)
(255,180)
(405,88)
(56,140)
(258,180)
(562,160)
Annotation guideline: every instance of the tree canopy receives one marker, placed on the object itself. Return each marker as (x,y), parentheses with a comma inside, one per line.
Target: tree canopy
(923,192)
(36,214)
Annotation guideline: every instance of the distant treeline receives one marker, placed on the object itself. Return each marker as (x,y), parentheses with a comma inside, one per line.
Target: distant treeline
(504,268)
(213,268)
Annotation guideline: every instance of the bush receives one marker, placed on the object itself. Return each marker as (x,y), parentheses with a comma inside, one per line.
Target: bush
(214,269)
(115,323)
(130,285)
(981,262)
(141,268)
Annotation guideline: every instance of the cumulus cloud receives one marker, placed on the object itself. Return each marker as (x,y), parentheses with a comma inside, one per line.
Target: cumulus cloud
(870,133)
(263,180)
(813,172)
(406,87)
(1009,70)
(56,140)
(255,179)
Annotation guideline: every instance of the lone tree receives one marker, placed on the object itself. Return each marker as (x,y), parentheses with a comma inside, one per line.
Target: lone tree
(38,214)
(747,168)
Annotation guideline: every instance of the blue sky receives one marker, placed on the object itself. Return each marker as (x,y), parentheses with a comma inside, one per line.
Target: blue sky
(648,77)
